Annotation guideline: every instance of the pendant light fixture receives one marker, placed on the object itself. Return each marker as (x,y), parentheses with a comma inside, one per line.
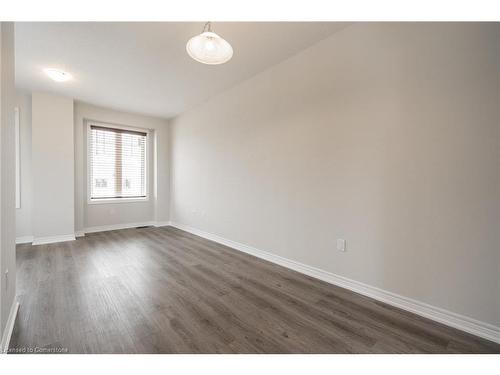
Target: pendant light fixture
(209,48)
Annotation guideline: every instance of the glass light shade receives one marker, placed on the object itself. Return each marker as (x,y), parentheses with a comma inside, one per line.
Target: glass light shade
(209,48)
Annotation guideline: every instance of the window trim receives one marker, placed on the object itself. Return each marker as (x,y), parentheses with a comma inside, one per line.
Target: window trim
(90,200)
(17,129)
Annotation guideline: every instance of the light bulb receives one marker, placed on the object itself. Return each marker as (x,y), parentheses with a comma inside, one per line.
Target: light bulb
(58,75)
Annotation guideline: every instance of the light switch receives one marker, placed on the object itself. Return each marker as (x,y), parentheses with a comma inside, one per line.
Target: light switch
(341,244)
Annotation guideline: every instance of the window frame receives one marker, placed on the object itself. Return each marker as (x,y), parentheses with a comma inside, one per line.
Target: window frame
(91,200)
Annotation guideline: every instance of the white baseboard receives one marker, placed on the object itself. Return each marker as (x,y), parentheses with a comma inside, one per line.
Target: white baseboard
(162,224)
(464,323)
(24,239)
(9,327)
(79,233)
(105,228)
(53,239)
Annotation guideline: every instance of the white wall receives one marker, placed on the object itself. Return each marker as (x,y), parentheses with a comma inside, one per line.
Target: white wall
(86,216)
(7,175)
(52,165)
(98,215)
(161,187)
(386,135)
(23,214)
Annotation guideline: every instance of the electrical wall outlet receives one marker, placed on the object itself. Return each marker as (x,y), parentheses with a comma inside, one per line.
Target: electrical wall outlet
(341,245)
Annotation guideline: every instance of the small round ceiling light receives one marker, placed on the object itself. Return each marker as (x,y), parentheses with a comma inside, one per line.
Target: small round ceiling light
(209,48)
(58,75)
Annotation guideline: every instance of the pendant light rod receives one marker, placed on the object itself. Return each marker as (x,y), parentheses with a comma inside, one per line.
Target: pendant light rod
(207,27)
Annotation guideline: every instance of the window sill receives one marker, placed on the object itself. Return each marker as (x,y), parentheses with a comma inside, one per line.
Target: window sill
(117,200)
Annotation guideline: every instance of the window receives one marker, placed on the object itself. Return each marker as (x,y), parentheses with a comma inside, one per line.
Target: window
(117,163)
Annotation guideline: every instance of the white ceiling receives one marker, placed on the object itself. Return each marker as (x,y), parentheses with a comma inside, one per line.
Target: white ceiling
(144,67)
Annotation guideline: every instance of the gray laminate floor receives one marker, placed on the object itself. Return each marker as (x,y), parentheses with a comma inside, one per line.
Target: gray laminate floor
(162,290)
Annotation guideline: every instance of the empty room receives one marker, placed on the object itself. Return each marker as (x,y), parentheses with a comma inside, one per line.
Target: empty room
(223,187)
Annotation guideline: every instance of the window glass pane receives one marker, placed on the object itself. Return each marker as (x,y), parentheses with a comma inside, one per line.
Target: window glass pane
(133,165)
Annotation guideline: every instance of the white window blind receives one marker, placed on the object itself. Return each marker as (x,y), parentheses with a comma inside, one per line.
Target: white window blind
(117,163)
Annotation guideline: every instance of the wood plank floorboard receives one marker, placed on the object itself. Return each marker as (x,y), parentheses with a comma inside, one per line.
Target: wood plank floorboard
(162,290)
